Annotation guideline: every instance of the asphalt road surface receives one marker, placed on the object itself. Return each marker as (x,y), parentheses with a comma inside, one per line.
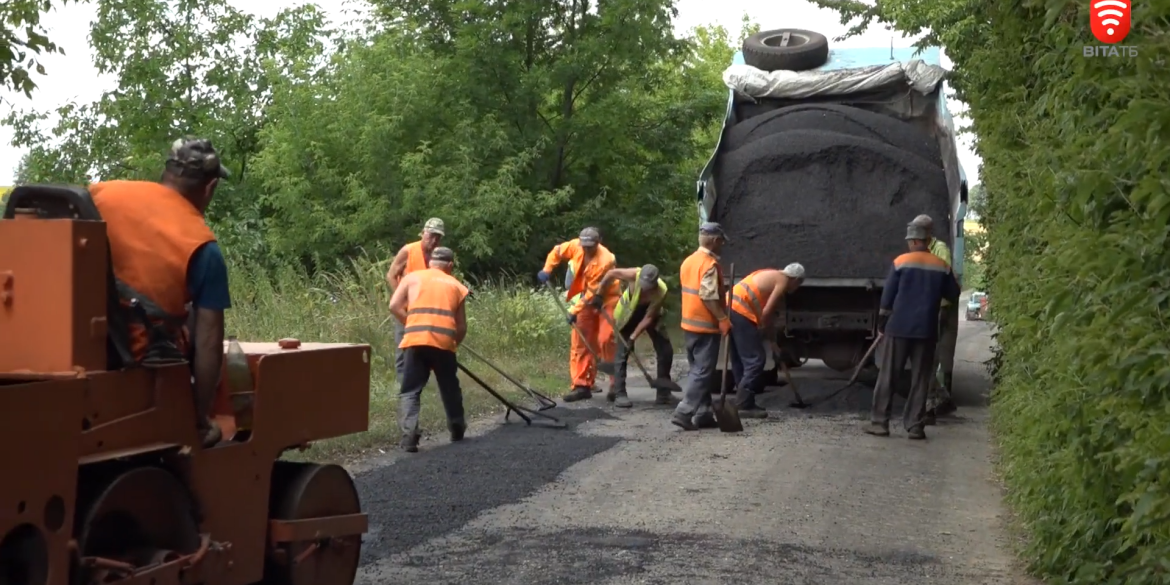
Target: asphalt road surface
(623,497)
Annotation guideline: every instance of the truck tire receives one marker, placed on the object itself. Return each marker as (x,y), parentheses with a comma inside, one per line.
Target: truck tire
(835,118)
(789,49)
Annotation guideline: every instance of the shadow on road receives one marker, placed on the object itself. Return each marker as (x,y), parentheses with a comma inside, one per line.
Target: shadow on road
(431,493)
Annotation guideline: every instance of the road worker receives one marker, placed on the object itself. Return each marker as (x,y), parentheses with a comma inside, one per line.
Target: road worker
(940,401)
(754,301)
(705,323)
(412,258)
(588,262)
(166,258)
(908,317)
(639,310)
(430,305)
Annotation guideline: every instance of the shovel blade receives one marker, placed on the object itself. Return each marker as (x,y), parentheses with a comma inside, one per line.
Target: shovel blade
(727,416)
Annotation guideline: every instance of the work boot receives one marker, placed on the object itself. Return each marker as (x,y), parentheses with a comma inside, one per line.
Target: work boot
(877,429)
(706,421)
(610,396)
(947,407)
(211,435)
(622,400)
(578,393)
(457,429)
(683,421)
(928,420)
(662,396)
(409,442)
(753,411)
(916,434)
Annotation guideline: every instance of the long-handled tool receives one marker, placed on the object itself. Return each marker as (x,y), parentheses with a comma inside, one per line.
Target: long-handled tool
(799,402)
(726,413)
(603,367)
(543,402)
(522,411)
(655,383)
(852,379)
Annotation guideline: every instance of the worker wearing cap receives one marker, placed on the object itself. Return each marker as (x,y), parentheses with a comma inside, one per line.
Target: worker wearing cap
(588,263)
(412,258)
(940,401)
(705,322)
(430,305)
(754,301)
(167,259)
(908,318)
(638,311)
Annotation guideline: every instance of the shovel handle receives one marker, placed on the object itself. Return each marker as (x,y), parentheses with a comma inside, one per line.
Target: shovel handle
(725,349)
(584,340)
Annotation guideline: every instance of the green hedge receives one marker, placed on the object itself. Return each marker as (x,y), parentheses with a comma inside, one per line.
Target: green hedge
(1076,155)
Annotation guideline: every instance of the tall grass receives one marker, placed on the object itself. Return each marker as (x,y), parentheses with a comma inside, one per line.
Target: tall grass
(519,329)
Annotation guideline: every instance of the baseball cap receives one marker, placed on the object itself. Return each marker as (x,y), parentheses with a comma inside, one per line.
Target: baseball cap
(589,237)
(195,158)
(794,270)
(710,228)
(915,232)
(649,276)
(434,225)
(443,254)
(923,221)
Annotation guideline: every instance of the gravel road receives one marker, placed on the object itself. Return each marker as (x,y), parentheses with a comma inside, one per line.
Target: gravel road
(623,497)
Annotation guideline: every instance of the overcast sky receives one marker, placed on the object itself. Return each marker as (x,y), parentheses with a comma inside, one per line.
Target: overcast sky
(73,77)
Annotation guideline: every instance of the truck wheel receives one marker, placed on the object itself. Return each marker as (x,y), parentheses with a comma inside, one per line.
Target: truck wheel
(786,49)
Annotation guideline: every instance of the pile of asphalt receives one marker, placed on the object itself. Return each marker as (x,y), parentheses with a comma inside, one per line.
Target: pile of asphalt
(428,494)
(836,203)
(836,118)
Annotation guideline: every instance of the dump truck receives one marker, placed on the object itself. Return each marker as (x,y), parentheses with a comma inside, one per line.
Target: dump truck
(824,157)
(105,479)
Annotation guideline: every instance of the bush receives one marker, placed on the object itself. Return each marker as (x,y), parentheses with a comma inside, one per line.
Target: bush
(518,329)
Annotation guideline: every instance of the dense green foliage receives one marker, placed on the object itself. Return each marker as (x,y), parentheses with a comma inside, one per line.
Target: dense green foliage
(22,40)
(1075,153)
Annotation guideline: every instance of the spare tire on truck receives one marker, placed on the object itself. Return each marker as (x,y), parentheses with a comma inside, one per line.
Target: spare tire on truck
(836,118)
(788,49)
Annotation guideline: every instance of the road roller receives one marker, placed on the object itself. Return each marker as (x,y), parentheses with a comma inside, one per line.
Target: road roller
(103,477)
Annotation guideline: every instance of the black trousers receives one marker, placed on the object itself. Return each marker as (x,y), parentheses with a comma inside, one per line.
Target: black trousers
(419,362)
(663,351)
(920,353)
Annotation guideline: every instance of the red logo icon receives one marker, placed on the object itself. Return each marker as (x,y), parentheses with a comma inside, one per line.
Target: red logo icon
(1110,20)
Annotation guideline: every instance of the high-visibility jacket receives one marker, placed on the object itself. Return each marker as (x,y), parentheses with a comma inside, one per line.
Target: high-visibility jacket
(696,318)
(153,232)
(630,298)
(416,258)
(580,278)
(745,298)
(939,248)
(430,317)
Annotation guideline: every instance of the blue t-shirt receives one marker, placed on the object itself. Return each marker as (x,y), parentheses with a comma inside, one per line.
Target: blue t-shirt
(207,279)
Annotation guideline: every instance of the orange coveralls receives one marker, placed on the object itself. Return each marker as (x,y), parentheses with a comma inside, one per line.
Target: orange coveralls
(581,281)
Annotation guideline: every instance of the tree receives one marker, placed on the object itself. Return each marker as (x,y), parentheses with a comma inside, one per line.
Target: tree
(22,40)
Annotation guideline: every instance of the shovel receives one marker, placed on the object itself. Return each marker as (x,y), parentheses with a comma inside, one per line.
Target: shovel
(543,401)
(799,402)
(522,411)
(603,367)
(726,413)
(852,379)
(655,383)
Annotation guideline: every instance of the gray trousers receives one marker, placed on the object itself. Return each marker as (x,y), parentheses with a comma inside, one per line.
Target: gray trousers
(920,352)
(702,357)
(399,355)
(944,360)
(663,351)
(420,362)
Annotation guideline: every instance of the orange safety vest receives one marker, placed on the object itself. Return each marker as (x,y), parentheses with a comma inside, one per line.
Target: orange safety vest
(416,258)
(696,318)
(153,232)
(430,317)
(746,299)
(581,277)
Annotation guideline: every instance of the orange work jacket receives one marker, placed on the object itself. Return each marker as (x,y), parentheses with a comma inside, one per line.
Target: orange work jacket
(153,232)
(430,317)
(696,318)
(581,277)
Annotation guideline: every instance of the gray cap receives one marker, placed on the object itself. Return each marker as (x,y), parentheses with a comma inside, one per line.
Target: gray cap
(589,237)
(434,225)
(923,221)
(195,158)
(649,276)
(443,254)
(915,232)
(794,270)
(710,228)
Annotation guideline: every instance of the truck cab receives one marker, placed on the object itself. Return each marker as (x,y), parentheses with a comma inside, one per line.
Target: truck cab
(823,210)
